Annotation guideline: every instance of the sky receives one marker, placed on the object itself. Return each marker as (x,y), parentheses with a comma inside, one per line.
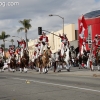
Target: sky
(38,11)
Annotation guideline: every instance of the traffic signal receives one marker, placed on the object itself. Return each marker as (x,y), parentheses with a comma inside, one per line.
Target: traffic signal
(39,30)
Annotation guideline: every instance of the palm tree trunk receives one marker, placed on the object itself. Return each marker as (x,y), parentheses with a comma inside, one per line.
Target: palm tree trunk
(4,51)
(12,43)
(26,40)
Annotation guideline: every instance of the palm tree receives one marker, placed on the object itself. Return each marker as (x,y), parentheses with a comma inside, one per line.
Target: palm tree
(12,40)
(2,45)
(3,36)
(25,27)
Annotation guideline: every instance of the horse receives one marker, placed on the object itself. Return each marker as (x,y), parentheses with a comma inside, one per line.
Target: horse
(1,65)
(98,59)
(38,64)
(90,62)
(24,61)
(62,63)
(45,60)
(12,63)
(67,59)
(58,61)
(18,62)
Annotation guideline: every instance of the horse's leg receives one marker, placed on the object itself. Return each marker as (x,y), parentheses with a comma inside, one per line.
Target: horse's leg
(98,64)
(39,67)
(55,64)
(0,69)
(40,70)
(14,67)
(91,66)
(43,69)
(67,66)
(58,66)
(25,69)
(20,67)
(46,68)
(8,67)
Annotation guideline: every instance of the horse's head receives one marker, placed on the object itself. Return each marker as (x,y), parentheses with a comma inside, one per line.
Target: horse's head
(25,53)
(47,53)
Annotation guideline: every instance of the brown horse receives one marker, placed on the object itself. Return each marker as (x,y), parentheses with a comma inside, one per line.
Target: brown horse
(1,64)
(24,61)
(45,60)
(13,63)
(38,63)
(98,59)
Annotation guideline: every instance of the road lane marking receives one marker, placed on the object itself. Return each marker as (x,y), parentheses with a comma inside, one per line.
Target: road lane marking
(68,86)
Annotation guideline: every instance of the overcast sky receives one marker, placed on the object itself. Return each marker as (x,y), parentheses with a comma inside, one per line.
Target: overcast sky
(39,11)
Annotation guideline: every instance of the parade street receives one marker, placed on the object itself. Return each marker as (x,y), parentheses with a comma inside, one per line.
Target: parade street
(79,84)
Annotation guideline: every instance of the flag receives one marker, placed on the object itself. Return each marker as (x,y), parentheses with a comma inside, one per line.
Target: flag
(82,28)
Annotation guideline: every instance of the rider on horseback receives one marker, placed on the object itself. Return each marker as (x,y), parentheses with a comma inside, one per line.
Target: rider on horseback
(96,42)
(11,51)
(44,43)
(83,48)
(18,51)
(22,44)
(65,43)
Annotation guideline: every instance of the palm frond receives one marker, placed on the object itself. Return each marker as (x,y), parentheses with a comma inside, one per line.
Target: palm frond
(12,40)
(3,35)
(6,36)
(20,29)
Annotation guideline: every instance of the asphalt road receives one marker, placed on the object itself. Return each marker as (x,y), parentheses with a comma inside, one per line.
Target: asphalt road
(51,86)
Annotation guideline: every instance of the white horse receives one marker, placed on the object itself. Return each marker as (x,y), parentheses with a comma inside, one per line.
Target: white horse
(63,64)
(66,59)
(90,61)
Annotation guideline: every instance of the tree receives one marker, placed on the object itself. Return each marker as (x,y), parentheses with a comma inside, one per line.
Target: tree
(12,40)
(25,27)
(2,45)
(3,36)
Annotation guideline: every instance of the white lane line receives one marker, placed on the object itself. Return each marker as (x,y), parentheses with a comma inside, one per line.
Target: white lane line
(68,86)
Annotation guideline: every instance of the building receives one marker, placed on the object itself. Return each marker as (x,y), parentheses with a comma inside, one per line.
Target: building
(31,46)
(93,23)
(54,39)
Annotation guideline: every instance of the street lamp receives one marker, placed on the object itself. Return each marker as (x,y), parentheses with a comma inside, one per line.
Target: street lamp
(61,18)
(10,41)
(18,37)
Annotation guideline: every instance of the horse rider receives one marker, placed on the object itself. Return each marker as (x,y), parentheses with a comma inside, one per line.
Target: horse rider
(11,51)
(36,52)
(38,47)
(22,44)
(90,59)
(44,43)
(96,43)
(64,43)
(1,52)
(18,51)
(83,47)
(34,56)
